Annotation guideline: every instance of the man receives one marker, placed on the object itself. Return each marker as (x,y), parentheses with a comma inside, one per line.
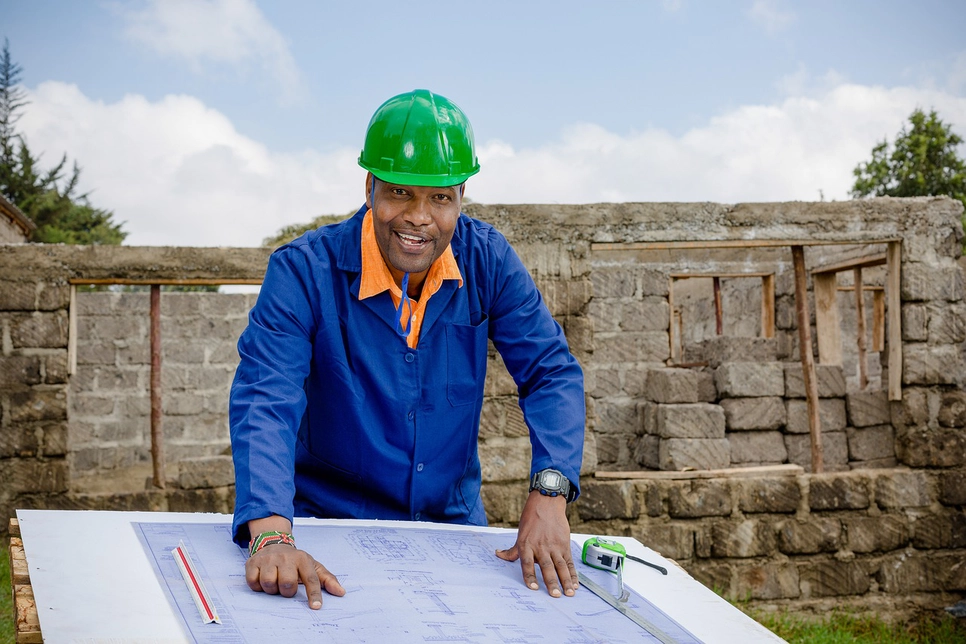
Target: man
(360,385)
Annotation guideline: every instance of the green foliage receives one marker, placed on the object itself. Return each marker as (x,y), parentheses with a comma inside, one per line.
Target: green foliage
(923,162)
(48,197)
(287,234)
(842,627)
(8,628)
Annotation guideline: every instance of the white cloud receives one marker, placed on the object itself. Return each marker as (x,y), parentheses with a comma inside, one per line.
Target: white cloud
(770,15)
(180,174)
(232,32)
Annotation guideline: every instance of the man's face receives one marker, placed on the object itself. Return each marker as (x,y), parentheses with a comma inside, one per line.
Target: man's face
(413,224)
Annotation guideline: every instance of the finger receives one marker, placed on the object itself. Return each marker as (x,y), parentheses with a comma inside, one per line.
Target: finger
(511,554)
(252,574)
(313,586)
(549,572)
(566,574)
(268,579)
(574,579)
(288,578)
(329,581)
(526,565)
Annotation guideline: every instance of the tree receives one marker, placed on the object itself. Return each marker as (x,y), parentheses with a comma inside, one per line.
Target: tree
(924,162)
(47,197)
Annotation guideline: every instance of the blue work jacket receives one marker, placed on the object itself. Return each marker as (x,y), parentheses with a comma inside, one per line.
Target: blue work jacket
(332,414)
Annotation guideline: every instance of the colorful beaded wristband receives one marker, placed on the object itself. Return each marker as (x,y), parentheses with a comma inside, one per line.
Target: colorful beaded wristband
(269,539)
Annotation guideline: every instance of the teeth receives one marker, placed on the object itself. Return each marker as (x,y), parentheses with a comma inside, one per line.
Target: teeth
(410,238)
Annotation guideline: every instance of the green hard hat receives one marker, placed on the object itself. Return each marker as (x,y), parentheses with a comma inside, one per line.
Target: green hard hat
(420,139)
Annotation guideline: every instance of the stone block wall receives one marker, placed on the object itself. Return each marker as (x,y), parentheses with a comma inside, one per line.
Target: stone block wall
(797,544)
(110,406)
(889,541)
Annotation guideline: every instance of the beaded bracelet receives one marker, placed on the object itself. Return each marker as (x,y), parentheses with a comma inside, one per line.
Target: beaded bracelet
(269,539)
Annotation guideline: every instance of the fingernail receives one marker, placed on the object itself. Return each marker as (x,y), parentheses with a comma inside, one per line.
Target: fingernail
(316,604)
(534,585)
(555,592)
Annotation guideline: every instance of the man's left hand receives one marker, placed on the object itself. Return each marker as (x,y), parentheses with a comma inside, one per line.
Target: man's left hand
(544,538)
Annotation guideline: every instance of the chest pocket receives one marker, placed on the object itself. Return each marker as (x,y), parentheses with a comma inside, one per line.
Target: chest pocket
(466,362)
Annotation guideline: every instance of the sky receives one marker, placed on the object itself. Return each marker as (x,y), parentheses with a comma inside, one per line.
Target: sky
(218,122)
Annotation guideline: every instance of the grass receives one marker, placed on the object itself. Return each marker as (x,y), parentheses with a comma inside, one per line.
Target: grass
(841,627)
(838,628)
(7,628)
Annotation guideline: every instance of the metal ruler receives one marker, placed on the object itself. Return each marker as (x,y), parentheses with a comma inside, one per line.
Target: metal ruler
(632,615)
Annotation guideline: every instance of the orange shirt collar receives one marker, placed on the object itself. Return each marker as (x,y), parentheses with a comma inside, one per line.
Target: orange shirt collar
(376,277)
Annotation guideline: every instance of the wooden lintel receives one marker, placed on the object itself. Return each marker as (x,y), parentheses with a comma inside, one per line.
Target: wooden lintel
(734,243)
(734,472)
(868,261)
(865,288)
(684,276)
(124,281)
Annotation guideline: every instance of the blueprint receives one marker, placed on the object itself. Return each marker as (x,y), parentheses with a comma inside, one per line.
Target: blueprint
(402,585)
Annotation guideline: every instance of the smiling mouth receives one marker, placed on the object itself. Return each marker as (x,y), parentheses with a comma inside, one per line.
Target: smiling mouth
(413,242)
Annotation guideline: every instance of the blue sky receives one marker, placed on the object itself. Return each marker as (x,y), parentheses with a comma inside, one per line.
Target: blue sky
(216,122)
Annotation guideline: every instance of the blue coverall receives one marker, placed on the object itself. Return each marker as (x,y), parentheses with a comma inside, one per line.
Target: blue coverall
(333,415)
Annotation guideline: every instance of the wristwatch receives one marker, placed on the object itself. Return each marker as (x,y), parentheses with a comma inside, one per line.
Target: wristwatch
(553,483)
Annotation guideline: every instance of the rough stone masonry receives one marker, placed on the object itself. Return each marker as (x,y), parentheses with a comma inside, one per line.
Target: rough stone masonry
(883,528)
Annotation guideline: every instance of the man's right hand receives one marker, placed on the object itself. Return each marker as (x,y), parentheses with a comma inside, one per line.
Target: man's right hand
(279,568)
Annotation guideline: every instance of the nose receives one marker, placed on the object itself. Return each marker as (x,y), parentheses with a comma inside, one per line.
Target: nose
(419,212)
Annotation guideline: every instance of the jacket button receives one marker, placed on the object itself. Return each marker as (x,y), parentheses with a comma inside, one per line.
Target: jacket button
(419,468)
(410,357)
(411,415)
(416,516)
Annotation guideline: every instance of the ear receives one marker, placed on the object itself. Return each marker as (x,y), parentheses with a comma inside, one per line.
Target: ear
(370,186)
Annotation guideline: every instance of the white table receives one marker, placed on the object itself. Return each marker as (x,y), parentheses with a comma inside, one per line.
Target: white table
(92,579)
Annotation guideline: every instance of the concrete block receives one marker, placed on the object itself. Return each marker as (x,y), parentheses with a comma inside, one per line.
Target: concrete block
(723,349)
(697,453)
(20,371)
(770,494)
(647,452)
(33,476)
(678,386)
(926,447)
(831,415)
(205,472)
(767,581)
(757,447)
(613,281)
(505,460)
(38,404)
(871,443)
(922,572)
(649,314)
(817,534)
(838,492)
(945,529)
(602,501)
(947,324)
(694,420)
(672,540)
(926,364)
(952,488)
(915,320)
(55,368)
(742,539)
(868,408)
(903,489)
(952,412)
(617,416)
(922,281)
(876,534)
(611,448)
(653,282)
(831,380)
(646,346)
(754,413)
(833,578)
(47,330)
(749,379)
(835,451)
(917,407)
(699,498)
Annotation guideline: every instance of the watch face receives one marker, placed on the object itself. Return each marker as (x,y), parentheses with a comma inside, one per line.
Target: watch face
(550,479)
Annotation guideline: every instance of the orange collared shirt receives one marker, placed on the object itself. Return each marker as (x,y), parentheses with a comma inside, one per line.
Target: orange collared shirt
(376,278)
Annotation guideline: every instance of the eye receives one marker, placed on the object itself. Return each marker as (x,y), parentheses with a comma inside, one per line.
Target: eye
(398,191)
(443,197)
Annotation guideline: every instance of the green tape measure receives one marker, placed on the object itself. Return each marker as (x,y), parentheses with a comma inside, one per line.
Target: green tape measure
(604,554)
